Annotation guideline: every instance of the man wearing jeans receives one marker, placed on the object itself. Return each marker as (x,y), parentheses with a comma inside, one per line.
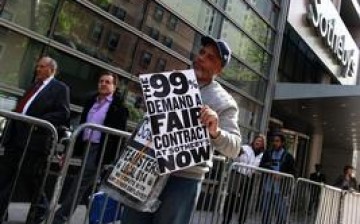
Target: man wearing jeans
(220,115)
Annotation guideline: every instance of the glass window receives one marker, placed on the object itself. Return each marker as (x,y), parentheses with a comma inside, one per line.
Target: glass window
(129,11)
(34,15)
(249,112)
(170,31)
(145,59)
(250,22)
(93,35)
(134,101)
(113,41)
(144,63)
(243,78)
(267,9)
(158,13)
(160,65)
(245,48)
(18,55)
(119,13)
(199,13)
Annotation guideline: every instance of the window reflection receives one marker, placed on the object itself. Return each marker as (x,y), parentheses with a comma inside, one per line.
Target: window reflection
(147,56)
(134,101)
(166,28)
(243,78)
(95,36)
(129,11)
(245,48)
(250,21)
(34,15)
(18,55)
(249,112)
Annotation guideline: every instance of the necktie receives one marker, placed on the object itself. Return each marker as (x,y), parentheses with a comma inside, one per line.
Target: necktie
(20,106)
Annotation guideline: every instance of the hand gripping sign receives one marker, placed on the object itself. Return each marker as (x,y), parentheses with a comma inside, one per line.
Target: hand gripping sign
(173,103)
(134,180)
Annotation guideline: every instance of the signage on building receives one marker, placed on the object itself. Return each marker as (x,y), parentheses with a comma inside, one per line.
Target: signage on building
(327,26)
(319,25)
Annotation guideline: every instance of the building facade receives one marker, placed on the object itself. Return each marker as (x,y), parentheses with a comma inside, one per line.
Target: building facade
(131,37)
(317,92)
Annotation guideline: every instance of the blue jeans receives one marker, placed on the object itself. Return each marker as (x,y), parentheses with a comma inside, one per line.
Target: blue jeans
(178,201)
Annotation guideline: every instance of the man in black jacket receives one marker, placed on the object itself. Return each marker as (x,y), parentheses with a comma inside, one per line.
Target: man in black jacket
(47,99)
(106,108)
(277,159)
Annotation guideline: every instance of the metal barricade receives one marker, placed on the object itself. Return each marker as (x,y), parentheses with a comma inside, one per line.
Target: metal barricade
(212,194)
(350,206)
(256,195)
(306,201)
(18,137)
(87,177)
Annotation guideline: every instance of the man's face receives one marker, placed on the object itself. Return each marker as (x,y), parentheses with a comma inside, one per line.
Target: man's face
(207,63)
(277,143)
(106,85)
(43,69)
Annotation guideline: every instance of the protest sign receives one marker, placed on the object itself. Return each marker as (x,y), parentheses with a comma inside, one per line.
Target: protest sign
(136,171)
(173,103)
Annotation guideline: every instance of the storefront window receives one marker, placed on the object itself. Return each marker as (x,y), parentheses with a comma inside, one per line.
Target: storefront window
(18,55)
(268,9)
(34,15)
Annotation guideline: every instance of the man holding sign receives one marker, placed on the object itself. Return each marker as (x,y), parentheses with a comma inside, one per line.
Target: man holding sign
(219,114)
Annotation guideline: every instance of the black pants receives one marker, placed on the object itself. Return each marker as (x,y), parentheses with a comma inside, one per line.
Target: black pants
(86,182)
(32,173)
(240,190)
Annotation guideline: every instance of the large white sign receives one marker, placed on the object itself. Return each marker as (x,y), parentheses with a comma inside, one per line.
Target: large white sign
(173,103)
(326,34)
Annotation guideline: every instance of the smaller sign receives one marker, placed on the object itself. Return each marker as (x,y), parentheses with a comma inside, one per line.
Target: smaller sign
(136,171)
(173,103)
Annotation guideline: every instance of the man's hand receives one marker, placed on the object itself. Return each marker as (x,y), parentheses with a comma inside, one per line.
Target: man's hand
(210,119)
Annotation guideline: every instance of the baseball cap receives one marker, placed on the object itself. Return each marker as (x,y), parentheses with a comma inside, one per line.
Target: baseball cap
(222,46)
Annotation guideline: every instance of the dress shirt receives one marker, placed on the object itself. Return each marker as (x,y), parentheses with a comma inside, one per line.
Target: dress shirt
(97,115)
(28,103)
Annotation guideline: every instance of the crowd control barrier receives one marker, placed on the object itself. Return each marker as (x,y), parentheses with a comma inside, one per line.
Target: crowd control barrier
(19,136)
(87,177)
(350,208)
(316,203)
(208,209)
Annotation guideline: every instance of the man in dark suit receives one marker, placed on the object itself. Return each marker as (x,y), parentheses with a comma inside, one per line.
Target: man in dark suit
(105,108)
(318,176)
(47,99)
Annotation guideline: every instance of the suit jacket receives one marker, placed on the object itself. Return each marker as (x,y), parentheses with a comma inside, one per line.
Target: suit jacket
(51,104)
(116,117)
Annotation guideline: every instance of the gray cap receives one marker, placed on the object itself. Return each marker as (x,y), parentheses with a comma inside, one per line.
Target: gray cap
(222,46)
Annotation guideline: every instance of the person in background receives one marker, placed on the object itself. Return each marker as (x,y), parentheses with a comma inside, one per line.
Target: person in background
(47,99)
(241,181)
(318,176)
(220,115)
(347,181)
(105,108)
(276,159)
